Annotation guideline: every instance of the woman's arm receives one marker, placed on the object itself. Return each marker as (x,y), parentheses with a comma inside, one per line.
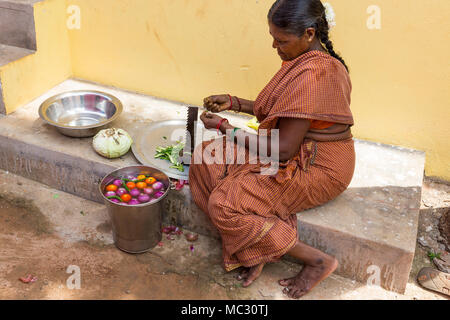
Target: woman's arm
(246,105)
(291,135)
(222,102)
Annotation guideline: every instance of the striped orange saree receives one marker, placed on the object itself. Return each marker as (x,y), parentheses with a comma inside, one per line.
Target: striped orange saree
(254,213)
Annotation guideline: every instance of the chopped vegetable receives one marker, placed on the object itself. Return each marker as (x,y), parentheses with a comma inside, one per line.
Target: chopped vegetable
(191,237)
(172,154)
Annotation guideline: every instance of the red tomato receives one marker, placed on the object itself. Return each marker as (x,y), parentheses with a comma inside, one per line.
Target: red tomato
(111,187)
(131,185)
(125,197)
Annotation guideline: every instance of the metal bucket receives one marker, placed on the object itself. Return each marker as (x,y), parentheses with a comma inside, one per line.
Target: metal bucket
(136,228)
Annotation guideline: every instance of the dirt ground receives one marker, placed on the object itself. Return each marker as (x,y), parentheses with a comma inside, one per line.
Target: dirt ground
(28,246)
(32,244)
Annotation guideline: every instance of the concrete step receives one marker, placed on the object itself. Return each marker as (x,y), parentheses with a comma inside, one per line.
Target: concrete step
(17,23)
(371,228)
(18,34)
(9,54)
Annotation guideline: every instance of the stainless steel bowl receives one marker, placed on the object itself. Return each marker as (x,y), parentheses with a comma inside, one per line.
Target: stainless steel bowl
(80,113)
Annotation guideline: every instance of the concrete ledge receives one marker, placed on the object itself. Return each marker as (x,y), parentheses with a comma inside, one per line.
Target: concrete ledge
(368,230)
(17,23)
(2,104)
(10,53)
(373,223)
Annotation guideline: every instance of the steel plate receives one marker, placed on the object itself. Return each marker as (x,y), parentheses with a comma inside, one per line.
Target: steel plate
(152,136)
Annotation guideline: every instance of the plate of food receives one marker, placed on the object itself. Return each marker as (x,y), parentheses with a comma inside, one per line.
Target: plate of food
(161,144)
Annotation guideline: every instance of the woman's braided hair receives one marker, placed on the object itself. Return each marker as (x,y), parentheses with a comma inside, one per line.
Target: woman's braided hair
(295,16)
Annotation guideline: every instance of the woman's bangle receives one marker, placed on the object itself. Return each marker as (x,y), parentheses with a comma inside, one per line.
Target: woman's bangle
(220,123)
(231,103)
(233,133)
(239,103)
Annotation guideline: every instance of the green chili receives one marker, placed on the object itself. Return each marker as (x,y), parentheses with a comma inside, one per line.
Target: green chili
(125,186)
(115,197)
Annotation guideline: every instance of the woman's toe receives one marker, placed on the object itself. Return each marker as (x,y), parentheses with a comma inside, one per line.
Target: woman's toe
(285,282)
(293,293)
(298,294)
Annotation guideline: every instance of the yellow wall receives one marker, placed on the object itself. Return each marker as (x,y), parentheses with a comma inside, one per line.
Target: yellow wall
(31,76)
(400,74)
(177,49)
(186,49)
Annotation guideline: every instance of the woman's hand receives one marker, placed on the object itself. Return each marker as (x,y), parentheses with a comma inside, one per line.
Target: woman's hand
(211,121)
(217,103)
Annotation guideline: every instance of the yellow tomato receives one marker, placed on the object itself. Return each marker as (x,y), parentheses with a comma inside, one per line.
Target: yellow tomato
(141,185)
(150,180)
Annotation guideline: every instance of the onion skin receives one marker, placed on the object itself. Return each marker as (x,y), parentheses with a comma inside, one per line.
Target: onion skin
(143,198)
(135,192)
(191,237)
(114,200)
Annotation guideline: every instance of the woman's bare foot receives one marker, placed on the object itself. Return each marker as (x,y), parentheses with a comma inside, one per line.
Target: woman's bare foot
(250,274)
(308,278)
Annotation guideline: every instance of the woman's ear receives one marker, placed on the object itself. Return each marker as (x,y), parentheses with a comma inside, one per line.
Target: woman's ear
(310,33)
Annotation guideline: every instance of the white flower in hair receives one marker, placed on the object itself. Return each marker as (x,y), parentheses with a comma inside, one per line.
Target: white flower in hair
(330,15)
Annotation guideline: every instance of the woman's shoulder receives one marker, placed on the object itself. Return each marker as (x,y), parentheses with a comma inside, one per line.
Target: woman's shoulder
(320,68)
(321,62)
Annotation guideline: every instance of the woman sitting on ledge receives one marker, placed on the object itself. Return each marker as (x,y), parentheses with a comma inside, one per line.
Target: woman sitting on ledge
(308,101)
